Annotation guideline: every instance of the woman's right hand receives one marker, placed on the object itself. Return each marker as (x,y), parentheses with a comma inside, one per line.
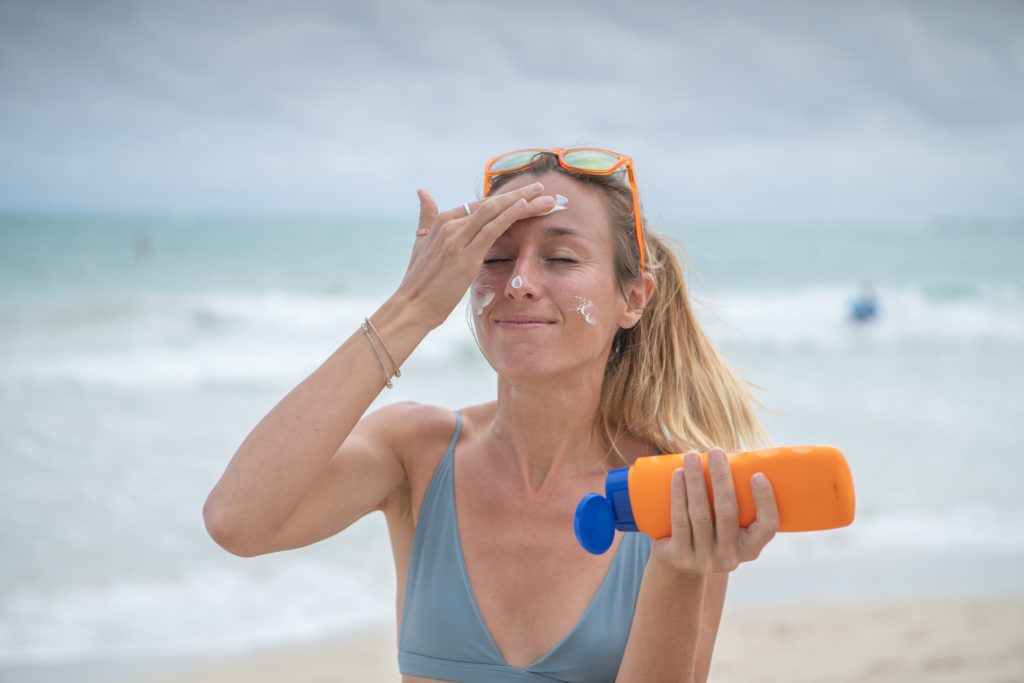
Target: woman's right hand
(450,246)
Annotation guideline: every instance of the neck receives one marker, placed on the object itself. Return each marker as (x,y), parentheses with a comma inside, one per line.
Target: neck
(541,427)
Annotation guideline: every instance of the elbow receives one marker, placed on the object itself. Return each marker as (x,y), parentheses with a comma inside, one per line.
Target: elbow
(225,531)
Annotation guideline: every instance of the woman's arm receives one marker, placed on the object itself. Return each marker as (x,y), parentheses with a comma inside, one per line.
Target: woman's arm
(314,465)
(683,590)
(308,470)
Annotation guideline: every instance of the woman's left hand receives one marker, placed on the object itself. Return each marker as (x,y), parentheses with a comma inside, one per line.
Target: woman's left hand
(708,540)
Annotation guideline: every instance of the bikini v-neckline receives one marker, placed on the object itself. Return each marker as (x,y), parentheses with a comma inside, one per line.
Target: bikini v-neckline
(612,566)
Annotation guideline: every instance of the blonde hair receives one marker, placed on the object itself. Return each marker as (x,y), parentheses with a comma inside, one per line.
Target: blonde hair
(665,383)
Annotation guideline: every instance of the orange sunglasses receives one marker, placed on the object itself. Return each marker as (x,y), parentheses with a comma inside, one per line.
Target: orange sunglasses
(588,160)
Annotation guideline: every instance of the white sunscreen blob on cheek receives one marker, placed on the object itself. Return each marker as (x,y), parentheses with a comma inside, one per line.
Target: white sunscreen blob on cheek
(516,283)
(586,309)
(560,204)
(481,298)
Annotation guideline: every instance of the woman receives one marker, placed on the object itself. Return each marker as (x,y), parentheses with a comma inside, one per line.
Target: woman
(587,324)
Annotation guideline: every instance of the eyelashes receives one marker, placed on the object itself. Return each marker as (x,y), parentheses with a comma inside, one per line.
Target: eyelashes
(558,259)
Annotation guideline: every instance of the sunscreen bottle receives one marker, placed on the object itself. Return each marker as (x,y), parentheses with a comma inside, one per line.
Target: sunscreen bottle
(812,484)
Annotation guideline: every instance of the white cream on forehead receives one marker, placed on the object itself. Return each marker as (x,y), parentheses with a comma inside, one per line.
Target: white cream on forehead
(481,297)
(586,309)
(560,204)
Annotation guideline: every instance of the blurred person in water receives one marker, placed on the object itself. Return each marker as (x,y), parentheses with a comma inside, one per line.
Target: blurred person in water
(864,307)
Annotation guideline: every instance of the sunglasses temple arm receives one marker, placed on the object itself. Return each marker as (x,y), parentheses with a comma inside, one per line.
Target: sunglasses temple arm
(637,214)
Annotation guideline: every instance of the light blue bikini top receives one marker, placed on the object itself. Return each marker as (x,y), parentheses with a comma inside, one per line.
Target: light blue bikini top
(443,635)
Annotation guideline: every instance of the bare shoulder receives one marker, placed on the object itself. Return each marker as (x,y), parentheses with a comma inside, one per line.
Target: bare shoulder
(411,430)
(407,417)
(420,433)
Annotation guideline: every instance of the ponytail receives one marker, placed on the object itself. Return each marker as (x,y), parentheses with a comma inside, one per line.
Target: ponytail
(665,383)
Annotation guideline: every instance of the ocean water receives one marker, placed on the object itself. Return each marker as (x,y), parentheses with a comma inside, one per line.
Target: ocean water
(136,352)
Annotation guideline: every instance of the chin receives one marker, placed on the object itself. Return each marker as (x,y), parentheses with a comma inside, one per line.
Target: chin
(521,366)
(538,364)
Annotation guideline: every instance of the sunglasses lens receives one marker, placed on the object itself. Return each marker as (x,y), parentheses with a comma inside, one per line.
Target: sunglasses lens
(513,161)
(591,159)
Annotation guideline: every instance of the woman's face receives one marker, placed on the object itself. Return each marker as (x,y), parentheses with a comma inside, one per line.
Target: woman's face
(545,299)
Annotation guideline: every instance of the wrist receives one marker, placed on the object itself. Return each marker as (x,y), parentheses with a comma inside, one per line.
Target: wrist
(398,328)
(672,570)
(399,315)
(413,310)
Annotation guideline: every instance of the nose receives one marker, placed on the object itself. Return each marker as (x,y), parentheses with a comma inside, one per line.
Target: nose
(524,283)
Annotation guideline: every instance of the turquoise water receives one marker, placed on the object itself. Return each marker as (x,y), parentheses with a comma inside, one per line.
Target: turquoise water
(136,352)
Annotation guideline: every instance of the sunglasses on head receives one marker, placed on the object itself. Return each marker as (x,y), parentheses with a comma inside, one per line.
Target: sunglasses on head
(586,160)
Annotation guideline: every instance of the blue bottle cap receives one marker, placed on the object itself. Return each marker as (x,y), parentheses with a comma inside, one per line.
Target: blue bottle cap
(616,487)
(595,523)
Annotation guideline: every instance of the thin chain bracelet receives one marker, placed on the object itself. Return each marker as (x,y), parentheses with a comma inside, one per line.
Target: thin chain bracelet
(398,370)
(387,379)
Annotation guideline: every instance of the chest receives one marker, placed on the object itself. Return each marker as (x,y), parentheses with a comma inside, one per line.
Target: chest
(530,579)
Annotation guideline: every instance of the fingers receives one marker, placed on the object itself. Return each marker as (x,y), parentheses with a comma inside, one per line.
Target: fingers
(702,523)
(520,210)
(727,518)
(680,513)
(486,220)
(706,534)
(486,210)
(428,212)
(494,215)
(757,535)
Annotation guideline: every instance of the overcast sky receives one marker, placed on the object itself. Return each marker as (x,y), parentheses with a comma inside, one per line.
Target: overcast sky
(842,109)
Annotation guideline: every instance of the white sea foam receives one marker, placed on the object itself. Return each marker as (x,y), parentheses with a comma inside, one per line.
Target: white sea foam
(245,337)
(191,339)
(203,612)
(818,317)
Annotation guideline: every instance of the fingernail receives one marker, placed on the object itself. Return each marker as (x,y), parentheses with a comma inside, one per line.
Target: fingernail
(720,457)
(677,476)
(691,459)
(558,203)
(537,186)
(759,480)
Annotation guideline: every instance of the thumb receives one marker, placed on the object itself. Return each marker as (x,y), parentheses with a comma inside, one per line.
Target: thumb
(428,209)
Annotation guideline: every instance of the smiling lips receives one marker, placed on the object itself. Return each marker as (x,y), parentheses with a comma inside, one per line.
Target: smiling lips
(521,322)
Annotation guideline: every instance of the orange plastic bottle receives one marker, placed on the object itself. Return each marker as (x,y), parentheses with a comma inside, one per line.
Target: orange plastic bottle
(813,490)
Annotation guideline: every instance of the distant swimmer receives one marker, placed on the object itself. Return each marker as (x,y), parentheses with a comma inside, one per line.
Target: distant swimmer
(864,308)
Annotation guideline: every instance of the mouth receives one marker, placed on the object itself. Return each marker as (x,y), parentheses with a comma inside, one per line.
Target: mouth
(521,322)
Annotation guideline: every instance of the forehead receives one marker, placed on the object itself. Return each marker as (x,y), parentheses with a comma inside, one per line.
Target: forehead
(586,211)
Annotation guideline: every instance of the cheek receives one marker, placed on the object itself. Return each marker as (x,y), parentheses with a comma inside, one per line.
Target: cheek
(481,297)
(592,300)
(586,309)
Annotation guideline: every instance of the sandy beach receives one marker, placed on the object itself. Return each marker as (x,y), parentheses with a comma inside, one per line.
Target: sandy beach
(939,641)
